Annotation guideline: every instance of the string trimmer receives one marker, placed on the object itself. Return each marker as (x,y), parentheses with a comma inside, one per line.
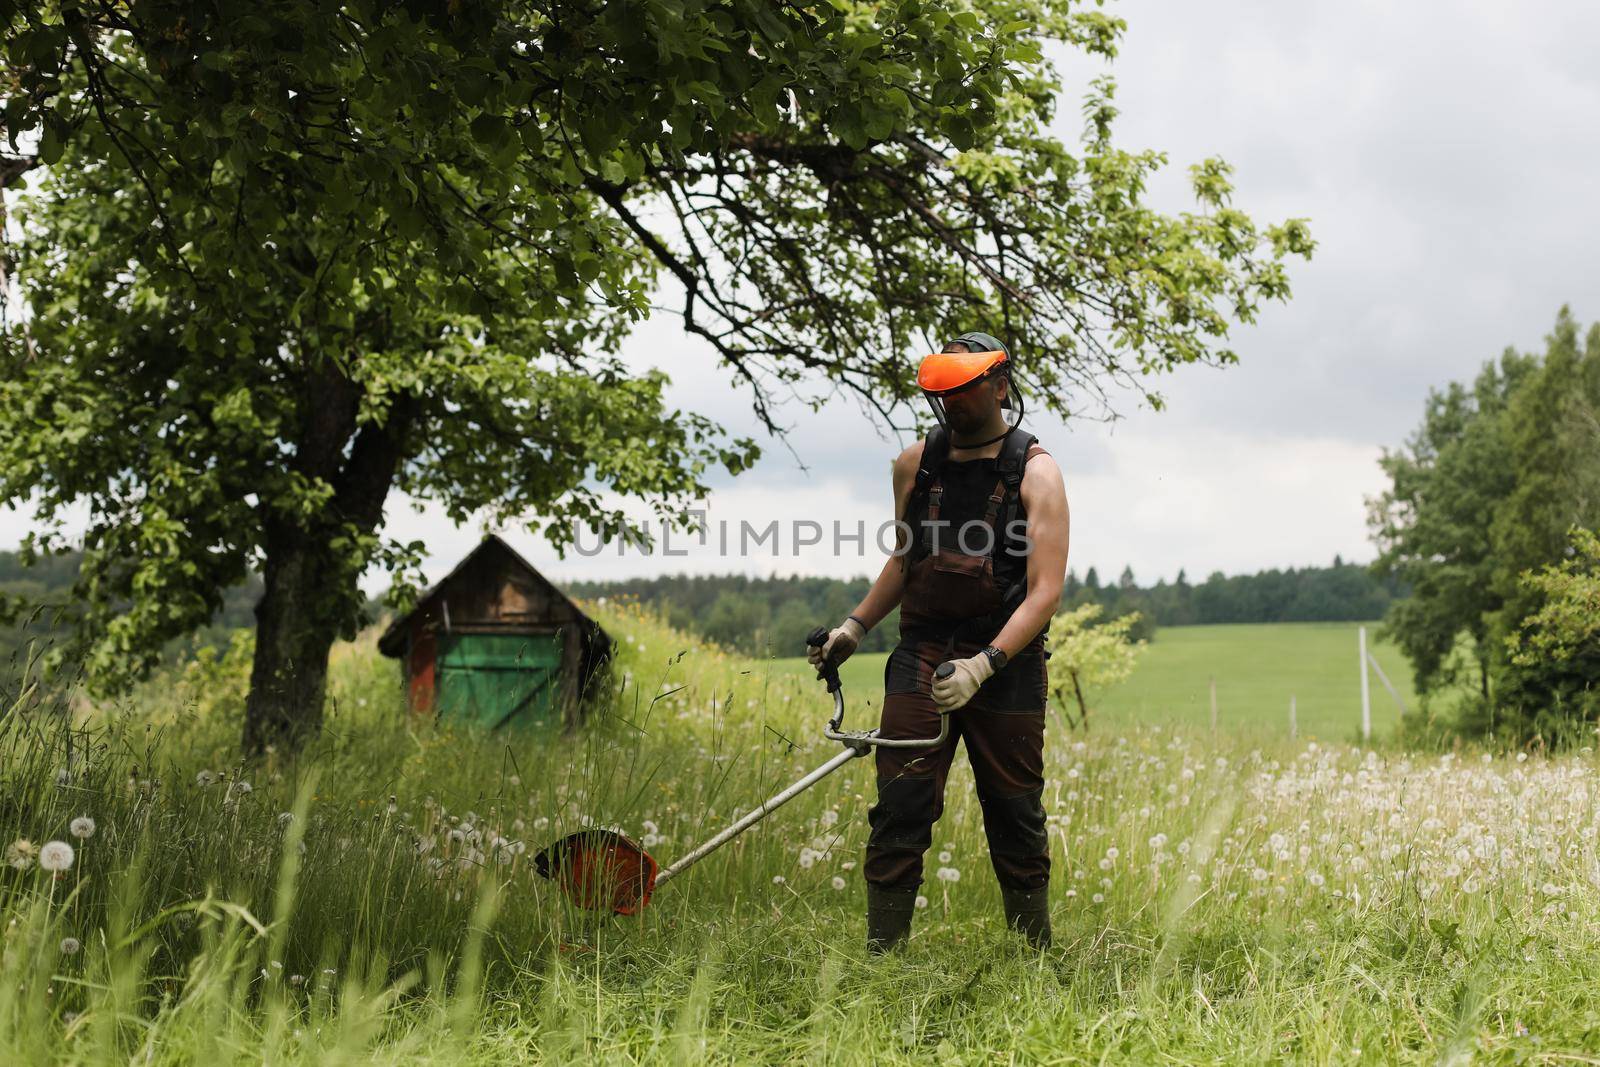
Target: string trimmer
(606,870)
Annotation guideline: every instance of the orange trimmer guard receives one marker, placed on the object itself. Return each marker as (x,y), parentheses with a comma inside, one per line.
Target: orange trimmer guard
(602,870)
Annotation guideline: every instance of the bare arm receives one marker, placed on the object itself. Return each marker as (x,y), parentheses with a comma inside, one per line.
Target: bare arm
(1044,495)
(890,584)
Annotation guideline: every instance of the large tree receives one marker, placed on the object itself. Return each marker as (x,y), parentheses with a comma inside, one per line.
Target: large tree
(286,258)
(1484,493)
(1432,524)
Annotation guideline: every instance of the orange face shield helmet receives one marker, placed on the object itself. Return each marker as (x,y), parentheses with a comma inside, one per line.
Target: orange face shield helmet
(943,373)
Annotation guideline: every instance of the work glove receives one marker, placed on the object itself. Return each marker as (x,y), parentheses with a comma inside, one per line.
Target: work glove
(954,691)
(844,639)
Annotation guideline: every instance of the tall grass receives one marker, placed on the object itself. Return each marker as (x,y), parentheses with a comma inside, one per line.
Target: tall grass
(373,899)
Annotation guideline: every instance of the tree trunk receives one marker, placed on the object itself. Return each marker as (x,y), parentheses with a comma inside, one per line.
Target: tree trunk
(289,675)
(311,595)
(1083,708)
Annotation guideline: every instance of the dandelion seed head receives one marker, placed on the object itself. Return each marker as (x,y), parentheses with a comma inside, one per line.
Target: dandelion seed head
(21,853)
(82,827)
(70,946)
(55,856)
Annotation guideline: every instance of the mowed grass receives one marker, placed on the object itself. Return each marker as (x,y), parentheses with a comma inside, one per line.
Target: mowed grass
(1257,668)
(1216,899)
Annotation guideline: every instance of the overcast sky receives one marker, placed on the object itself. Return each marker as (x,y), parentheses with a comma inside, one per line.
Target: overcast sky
(1447,155)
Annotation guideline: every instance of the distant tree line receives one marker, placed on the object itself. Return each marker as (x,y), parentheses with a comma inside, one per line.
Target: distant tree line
(1341,592)
(771,616)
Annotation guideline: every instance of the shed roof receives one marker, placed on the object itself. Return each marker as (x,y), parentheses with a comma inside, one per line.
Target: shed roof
(392,643)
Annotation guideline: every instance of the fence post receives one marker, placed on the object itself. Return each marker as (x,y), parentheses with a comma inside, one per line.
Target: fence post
(1294,725)
(1366,688)
(1213,703)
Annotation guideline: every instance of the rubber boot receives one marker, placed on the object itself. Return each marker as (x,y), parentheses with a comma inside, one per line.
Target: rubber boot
(1028,912)
(889,914)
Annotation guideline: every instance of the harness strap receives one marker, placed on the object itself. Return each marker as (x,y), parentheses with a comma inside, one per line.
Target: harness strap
(934,451)
(1003,502)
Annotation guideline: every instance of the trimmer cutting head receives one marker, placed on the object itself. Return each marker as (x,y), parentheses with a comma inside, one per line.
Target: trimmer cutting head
(606,870)
(602,870)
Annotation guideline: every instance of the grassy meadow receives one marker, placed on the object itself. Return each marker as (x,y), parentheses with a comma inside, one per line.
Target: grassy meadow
(1257,667)
(1216,899)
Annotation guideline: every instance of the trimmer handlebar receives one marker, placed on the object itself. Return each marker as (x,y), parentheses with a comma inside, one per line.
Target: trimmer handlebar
(862,740)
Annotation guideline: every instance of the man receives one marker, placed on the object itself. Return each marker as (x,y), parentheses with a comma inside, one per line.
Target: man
(977,575)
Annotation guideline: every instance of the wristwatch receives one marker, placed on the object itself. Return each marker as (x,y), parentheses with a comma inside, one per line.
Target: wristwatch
(997,658)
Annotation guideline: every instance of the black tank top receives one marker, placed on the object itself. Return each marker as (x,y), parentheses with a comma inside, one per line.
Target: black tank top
(967,485)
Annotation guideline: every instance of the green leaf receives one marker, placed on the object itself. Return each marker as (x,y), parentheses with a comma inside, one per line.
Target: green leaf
(491,131)
(50,141)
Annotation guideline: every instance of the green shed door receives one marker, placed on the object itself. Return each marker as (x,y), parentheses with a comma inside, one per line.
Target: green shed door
(489,679)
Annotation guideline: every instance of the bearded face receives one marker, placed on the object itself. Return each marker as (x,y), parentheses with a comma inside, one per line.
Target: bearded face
(969,410)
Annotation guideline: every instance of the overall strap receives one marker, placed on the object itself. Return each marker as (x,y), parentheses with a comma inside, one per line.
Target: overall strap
(934,452)
(991,514)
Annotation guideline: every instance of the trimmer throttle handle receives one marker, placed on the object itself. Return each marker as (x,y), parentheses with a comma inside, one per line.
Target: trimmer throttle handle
(828,671)
(944,670)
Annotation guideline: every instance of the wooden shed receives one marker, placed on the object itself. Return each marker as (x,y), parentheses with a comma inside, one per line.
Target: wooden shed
(494,644)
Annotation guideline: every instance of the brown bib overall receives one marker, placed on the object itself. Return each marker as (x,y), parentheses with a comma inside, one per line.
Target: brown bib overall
(953,605)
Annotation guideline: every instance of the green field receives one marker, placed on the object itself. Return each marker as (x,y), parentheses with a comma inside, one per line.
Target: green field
(1216,898)
(1257,668)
